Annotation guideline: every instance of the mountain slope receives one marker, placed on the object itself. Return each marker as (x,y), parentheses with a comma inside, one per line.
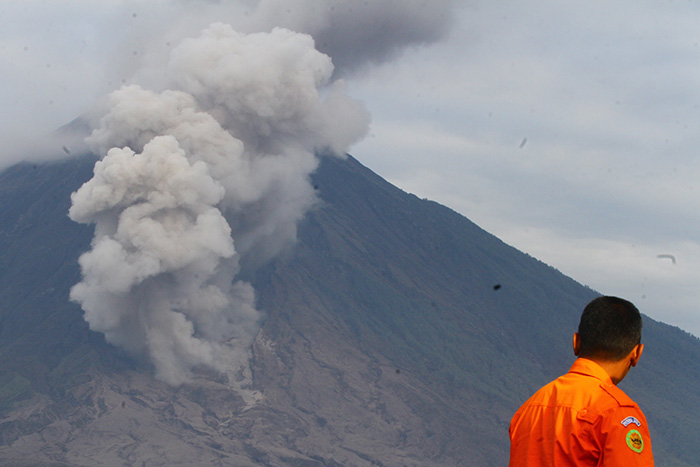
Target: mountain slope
(396,332)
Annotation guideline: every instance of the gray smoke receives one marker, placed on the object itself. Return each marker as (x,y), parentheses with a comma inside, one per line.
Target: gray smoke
(87,49)
(357,33)
(354,33)
(197,178)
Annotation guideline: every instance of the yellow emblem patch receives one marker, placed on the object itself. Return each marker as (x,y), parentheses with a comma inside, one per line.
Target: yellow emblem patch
(635,441)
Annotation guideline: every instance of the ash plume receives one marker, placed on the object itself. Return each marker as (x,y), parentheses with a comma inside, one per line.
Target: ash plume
(195,181)
(95,47)
(356,33)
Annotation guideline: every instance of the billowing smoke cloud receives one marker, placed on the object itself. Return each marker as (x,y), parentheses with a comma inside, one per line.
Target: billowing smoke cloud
(197,180)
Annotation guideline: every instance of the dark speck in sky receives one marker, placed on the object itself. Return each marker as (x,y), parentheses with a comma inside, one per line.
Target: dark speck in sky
(667,256)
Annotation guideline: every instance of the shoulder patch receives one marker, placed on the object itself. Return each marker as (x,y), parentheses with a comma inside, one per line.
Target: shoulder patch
(629,420)
(635,441)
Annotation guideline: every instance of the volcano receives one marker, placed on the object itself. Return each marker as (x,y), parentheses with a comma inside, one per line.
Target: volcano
(395,332)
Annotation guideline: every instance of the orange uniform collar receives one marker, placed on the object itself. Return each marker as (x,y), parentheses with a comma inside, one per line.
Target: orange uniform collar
(584,366)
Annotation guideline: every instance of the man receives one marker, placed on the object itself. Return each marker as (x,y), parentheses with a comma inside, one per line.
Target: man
(583,418)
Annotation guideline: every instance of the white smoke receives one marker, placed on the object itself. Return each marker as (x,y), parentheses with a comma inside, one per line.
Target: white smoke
(197,179)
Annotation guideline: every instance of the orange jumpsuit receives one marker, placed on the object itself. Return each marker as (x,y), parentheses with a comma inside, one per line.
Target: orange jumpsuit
(580,419)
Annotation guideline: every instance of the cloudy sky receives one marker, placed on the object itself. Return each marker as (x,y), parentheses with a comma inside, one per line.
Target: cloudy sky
(570,130)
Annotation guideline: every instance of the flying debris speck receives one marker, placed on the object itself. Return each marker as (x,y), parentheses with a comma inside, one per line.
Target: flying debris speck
(671,257)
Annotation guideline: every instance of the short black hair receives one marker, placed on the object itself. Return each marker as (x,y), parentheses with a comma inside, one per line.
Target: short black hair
(610,327)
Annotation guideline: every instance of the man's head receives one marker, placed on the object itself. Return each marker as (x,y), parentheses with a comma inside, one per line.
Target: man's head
(609,330)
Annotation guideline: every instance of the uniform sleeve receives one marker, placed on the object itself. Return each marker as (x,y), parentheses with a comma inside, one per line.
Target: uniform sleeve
(625,436)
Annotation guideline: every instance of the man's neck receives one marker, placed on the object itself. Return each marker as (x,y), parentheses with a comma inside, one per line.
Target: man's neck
(616,370)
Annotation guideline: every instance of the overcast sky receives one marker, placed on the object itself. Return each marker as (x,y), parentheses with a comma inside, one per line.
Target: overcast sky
(571,130)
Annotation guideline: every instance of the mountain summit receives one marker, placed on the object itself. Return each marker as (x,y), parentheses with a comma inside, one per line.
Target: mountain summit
(395,332)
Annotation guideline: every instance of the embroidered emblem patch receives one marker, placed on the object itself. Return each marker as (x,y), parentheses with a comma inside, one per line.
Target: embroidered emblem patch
(629,420)
(635,441)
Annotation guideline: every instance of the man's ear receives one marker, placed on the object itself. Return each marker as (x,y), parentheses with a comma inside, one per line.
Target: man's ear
(577,344)
(636,354)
